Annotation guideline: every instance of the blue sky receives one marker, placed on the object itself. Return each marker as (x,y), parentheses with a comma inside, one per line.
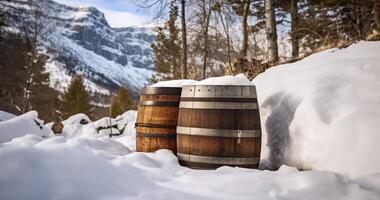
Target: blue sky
(119,13)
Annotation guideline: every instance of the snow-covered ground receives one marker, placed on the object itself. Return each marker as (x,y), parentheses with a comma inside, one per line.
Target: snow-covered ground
(320,113)
(86,165)
(89,166)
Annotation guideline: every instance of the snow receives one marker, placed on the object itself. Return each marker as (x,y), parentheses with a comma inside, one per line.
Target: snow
(323,112)
(111,62)
(318,114)
(4,116)
(88,168)
(87,165)
(60,79)
(18,126)
(174,83)
(119,74)
(239,79)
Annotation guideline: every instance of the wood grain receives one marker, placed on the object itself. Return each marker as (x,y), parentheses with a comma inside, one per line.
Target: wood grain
(155,125)
(223,119)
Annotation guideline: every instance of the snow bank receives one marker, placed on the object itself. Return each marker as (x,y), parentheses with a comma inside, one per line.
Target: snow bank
(4,116)
(323,112)
(239,79)
(27,123)
(82,168)
(174,83)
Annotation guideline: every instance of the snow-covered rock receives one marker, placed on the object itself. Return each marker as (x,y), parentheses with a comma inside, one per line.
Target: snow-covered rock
(18,126)
(126,123)
(323,112)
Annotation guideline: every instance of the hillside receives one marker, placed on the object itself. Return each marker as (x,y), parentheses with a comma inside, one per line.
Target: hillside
(80,41)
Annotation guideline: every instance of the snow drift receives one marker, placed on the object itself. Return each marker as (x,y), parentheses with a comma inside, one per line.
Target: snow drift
(323,112)
(87,168)
(4,116)
(19,126)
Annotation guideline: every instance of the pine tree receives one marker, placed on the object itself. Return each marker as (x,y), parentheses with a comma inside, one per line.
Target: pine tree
(167,49)
(122,102)
(75,99)
(12,71)
(43,98)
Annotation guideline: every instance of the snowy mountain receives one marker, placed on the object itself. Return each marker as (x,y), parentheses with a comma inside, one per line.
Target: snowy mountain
(80,41)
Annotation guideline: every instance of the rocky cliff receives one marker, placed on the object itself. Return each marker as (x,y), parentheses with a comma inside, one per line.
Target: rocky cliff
(79,40)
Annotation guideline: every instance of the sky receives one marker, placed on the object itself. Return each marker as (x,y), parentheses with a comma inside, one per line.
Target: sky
(119,13)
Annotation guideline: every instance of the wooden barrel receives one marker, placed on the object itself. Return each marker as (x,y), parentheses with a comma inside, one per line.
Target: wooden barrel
(217,126)
(157,119)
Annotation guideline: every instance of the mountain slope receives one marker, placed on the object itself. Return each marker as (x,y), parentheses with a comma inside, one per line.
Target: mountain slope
(80,41)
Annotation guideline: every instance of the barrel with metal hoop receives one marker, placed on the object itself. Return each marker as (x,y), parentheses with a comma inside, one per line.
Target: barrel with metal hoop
(157,119)
(218,125)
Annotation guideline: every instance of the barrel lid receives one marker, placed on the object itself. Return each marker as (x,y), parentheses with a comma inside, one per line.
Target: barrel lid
(162,90)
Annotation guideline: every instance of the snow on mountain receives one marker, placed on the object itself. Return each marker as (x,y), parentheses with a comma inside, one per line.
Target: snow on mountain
(82,42)
(323,112)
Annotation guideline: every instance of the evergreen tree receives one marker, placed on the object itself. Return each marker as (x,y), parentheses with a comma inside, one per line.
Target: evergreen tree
(75,99)
(42,98)
(167,49)
(13,58)
(122,102)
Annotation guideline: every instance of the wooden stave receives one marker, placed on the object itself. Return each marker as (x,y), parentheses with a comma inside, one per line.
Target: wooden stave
(176,91)
(182,122)
(218,146)
(224,119)
(148,131)
(196,165)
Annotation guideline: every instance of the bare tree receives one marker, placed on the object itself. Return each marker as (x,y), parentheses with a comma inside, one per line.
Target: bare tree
(244,24)
(294,26)
(376,15)
(206,9)
(184,39)
(226,28)
(271,31)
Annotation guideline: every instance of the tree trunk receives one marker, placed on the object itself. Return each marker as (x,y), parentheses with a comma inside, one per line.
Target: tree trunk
(184,39)
(244,25)
(294,26)
(227,32)
(206,20)
(271,31)
(376,16)
(365,18)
